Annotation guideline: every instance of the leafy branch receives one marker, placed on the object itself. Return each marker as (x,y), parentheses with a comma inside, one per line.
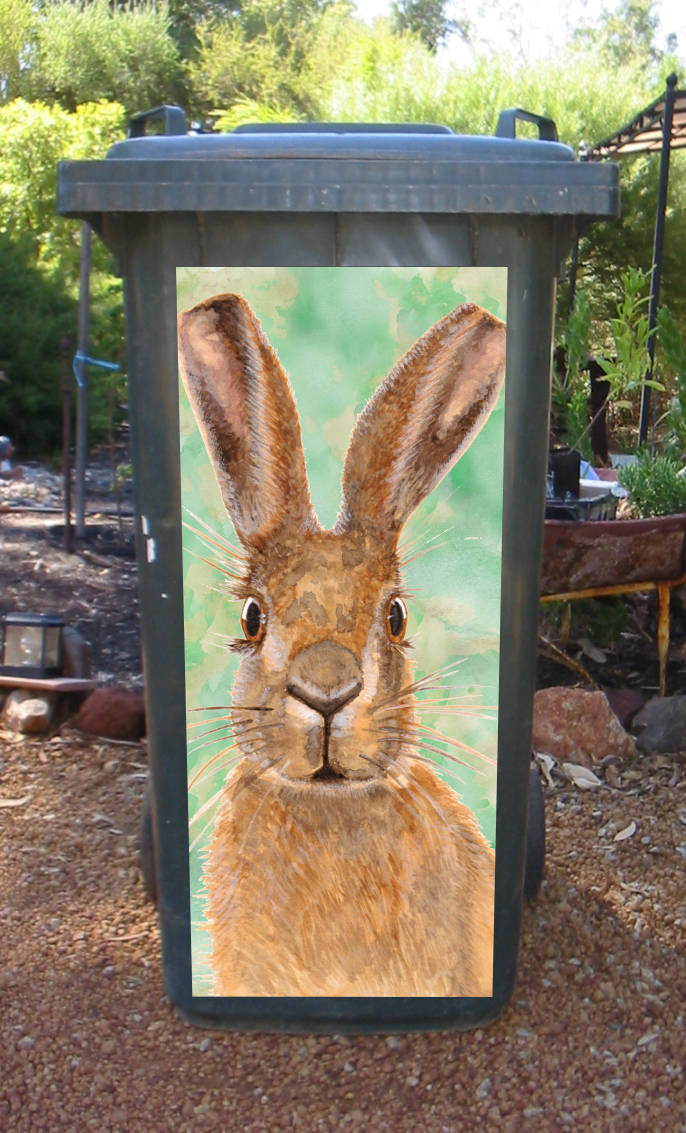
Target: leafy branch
(626,371)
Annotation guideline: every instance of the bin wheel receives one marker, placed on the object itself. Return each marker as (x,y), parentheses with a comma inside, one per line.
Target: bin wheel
(535,837)
(146,847)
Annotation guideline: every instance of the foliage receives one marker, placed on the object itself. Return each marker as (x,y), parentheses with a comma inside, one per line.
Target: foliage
(268,55)
(626,370)
(624,35)
(17,21)
(427,19)
(570,387)
(88,50)
(35,313)
(33,139)
(672,349)
(122,54)
(43,252)
(654,484)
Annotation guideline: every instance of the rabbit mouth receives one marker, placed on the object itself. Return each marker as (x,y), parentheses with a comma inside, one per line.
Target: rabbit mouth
(326,773)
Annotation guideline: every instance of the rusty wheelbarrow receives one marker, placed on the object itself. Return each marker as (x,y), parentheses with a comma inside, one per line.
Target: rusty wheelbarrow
(595,559)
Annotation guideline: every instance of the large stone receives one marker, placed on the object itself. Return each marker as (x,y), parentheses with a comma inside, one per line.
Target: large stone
(577,726)
(113,714)
(26,712)
(660,726)
(625,703)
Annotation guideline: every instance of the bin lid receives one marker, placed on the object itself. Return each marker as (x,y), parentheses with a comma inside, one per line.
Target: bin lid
(339,168)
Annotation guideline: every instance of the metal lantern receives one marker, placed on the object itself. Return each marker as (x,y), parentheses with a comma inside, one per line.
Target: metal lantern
(31,645)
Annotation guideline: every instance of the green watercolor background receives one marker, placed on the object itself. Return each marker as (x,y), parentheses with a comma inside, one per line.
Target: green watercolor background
(338,332)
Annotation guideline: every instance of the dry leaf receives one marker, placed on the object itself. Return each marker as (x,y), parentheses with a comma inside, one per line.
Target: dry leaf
(15,802)
(648,1038)
(592,651)
(627,832)
(546,764)
(581,776)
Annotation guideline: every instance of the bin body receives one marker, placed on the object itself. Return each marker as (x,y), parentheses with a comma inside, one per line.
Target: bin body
(249,200)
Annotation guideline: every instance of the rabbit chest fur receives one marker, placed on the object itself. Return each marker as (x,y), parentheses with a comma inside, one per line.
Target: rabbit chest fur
(340,863)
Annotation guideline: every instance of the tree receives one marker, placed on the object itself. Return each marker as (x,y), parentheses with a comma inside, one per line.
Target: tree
(624,36)
(17,21)
(35,312)
(427,19)
(39,268)
(265,56)
(77,52)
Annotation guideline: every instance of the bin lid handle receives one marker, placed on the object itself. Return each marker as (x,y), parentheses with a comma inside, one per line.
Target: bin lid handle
(507,128)
(174,121)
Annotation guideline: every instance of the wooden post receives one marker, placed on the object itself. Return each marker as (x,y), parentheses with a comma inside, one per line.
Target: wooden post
(82,378)
(66,381)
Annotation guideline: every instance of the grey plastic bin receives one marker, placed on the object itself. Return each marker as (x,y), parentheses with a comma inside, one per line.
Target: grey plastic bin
(335,195)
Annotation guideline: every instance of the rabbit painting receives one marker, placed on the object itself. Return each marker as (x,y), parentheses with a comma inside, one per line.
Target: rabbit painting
(340,864)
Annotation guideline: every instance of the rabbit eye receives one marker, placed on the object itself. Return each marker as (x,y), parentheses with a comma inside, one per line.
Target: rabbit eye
(396,619)
(252,622)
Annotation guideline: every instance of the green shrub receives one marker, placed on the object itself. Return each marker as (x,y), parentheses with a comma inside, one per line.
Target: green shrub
(654,485)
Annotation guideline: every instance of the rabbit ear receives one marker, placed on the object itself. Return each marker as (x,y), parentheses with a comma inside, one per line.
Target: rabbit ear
(244,406)
(421,419)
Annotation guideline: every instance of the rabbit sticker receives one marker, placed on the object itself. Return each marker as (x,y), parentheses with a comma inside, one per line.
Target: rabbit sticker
(339,862)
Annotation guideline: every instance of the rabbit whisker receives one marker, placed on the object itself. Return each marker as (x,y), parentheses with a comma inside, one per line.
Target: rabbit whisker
(374,763)
(236,735)
(210,762)
(206,806)
(211,731)
(444,532)
(251,775)
(233,725)
(222,543)
(438,766)
(431,513)
(426,730)
(477,714)
(200,723)
(406,562)
(220,767)
(228,573)
(218,708)
(420,685)
(195,842)
(419,742)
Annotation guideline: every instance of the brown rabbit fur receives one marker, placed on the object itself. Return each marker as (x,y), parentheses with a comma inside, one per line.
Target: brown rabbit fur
(340,863)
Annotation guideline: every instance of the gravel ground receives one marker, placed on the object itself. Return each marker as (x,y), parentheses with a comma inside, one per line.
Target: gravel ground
(95,593)
(594,1039)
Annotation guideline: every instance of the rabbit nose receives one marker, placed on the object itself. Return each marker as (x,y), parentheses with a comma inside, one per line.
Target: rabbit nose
(325,677)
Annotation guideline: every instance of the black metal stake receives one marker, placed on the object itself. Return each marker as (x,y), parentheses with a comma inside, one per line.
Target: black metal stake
(82,392)
(66,379)
(658,249)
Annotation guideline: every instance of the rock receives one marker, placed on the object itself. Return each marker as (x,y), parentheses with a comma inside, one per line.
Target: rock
(612,777)
(660,726)
(571,724)
(113,714)
(27,713)
(76,654)
(625,703)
